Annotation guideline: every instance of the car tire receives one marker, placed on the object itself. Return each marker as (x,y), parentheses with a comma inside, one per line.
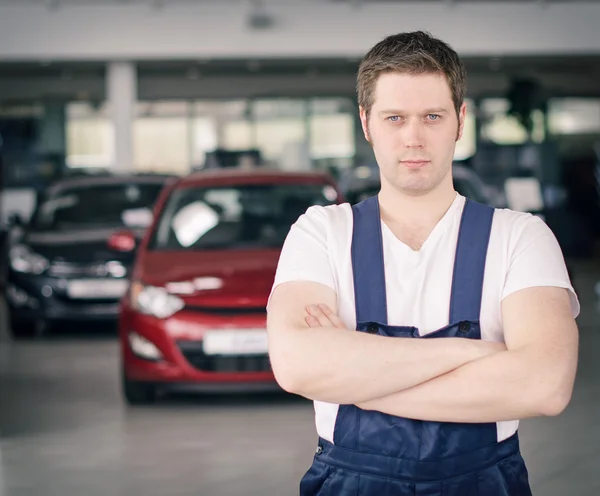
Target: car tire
(19,326)
(137,392)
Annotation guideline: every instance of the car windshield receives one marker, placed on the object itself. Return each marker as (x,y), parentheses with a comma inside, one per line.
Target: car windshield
(97,206)
(240,217)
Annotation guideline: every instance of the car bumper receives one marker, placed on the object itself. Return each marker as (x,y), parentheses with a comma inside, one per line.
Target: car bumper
(223,388)
(46,298)
(184,365)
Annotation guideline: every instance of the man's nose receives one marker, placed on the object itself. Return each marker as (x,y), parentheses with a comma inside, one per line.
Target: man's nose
(413,134)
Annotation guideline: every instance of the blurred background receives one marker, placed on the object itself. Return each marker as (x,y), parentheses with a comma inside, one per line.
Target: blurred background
(118,117)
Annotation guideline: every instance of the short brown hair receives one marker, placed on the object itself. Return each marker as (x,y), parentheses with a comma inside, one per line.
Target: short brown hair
(412,53)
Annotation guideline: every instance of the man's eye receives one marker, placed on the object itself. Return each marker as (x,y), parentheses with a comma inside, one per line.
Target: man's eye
(394,118)
(433,117)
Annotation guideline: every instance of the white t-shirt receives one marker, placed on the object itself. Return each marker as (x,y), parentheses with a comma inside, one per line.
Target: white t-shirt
(523,252)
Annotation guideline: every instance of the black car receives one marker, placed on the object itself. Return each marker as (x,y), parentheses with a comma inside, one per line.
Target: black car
(69,262)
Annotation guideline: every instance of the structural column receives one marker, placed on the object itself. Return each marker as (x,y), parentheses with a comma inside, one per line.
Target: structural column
(122,98)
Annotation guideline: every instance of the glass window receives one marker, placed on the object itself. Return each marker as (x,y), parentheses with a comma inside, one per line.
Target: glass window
(574,115)
(237,135)
(290,133)
(220,124)
(332,123)
(204,139)
(163,108)
(222,109)
(503,129)
(161,145)
(278,108)
(90,137)
(281,142)
(328,106)
(331,136)
(280,132)
(240,217)
(161,137)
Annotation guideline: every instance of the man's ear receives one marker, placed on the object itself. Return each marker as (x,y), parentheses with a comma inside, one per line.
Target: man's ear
(462,115)
(364,121)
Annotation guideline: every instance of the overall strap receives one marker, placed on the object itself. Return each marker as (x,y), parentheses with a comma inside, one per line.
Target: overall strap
(367,263)
(469,264)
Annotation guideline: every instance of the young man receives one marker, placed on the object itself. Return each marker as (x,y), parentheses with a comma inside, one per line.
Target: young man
(423,325)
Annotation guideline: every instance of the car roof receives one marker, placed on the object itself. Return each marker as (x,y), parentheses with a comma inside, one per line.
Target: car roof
(231,176)
(107,179)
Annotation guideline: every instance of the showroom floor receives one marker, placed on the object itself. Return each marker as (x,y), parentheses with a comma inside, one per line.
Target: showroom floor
(65,431)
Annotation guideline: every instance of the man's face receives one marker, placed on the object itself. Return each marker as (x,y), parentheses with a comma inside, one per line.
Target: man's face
(413,128)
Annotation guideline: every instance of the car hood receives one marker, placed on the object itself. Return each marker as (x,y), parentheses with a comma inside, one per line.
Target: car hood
(81,246)
(207,279)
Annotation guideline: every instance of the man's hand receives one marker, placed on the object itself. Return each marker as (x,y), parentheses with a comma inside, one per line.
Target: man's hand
(313,354)
(321,315)
(533,377)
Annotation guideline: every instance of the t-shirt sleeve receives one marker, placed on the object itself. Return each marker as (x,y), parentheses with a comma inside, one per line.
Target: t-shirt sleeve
(304,255)
(537,260)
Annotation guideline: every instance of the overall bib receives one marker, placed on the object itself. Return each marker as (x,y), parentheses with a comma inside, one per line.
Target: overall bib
(375,454)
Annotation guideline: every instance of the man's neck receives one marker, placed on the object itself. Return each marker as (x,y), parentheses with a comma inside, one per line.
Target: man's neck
(398,208)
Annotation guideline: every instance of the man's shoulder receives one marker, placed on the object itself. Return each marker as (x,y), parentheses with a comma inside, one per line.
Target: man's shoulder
(329,215)
(516,227)
(514,218)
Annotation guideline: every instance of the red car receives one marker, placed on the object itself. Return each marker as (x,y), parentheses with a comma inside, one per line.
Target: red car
(194,315)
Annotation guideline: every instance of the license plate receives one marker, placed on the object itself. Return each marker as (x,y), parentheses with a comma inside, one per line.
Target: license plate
(97,288)
(235,342)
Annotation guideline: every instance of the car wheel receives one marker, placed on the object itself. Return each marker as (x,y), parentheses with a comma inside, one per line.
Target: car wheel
(138,393)
(19,326)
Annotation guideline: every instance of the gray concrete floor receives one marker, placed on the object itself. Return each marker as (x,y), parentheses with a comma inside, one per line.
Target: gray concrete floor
(65,431)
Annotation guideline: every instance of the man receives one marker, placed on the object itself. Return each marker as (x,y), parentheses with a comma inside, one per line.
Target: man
(421,324)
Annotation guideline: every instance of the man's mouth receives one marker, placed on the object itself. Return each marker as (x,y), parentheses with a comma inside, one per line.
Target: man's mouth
(414,163)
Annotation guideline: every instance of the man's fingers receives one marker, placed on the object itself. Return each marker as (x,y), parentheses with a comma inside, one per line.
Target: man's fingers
(325,316)
(312,322)
(335,320)
(318,314)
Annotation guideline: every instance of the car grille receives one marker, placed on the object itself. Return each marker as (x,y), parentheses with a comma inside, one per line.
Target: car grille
(65,269)
(226,312)
(193,353)
(99,269)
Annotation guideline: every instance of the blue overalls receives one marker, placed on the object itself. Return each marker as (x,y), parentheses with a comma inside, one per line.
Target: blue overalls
(376,454)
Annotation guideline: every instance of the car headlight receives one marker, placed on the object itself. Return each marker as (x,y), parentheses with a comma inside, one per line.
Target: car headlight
(22,259)
(155,301)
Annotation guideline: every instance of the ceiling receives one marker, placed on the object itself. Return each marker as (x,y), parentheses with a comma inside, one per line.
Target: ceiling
(164,3)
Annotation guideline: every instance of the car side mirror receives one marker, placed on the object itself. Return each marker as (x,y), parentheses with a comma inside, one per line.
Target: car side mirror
(124,241)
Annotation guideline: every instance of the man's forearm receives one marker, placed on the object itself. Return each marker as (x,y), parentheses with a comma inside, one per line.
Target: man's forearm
(341,366)
(507,386)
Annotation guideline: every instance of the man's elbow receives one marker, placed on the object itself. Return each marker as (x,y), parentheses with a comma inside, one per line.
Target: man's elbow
(286,379)
(286,372)
(555,401)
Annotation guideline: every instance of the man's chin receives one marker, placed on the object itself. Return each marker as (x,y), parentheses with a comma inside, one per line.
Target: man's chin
(414,189)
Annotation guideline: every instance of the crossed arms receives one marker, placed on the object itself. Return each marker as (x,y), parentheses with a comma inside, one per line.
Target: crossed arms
(440,379)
